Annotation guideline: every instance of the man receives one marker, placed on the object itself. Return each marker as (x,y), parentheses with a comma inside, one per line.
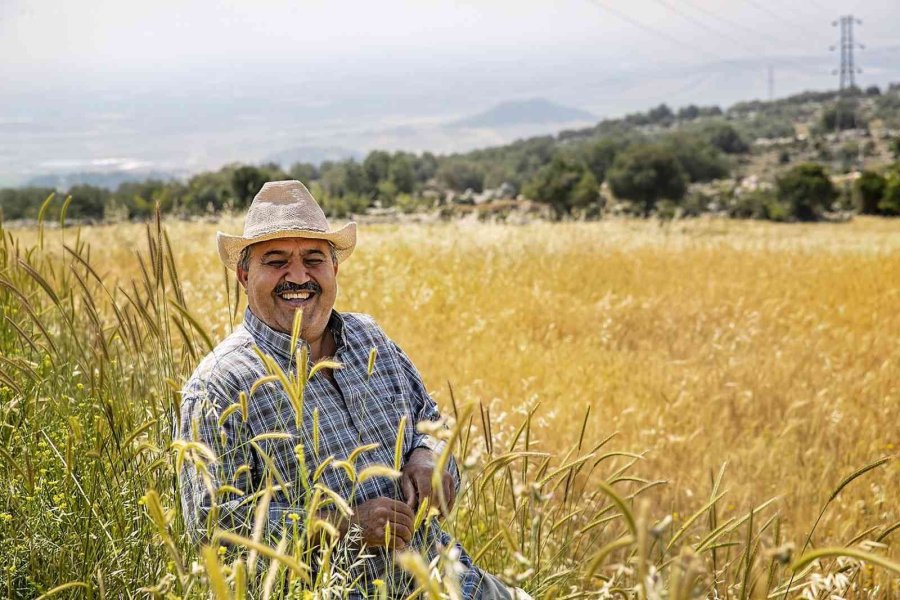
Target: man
(288,260)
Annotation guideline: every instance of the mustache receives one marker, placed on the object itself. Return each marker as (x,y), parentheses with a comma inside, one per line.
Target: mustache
(287,286)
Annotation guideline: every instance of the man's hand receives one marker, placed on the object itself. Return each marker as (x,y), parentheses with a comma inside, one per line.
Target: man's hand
(376,515)
(416,479)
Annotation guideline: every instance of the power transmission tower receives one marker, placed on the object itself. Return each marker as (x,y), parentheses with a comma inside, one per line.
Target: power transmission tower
(848,67)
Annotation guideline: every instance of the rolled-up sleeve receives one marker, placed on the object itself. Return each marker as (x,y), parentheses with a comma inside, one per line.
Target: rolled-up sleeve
(424,409)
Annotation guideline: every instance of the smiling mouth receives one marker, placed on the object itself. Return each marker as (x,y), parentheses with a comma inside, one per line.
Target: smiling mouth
(296,298)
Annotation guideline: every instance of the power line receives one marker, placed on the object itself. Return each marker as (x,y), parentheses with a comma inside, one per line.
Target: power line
(734,24)
(694,20)
(781,18)
(652,30)
(687,17)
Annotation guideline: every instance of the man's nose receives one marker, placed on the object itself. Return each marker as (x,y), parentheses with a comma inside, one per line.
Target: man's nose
(297,272)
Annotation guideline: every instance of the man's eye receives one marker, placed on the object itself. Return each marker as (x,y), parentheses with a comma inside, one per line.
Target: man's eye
(276,263)
(314,262)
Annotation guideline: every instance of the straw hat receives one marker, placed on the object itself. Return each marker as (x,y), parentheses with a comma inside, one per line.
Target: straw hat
(285,209)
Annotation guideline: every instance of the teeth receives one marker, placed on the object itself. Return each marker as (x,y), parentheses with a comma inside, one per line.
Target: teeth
(296,295)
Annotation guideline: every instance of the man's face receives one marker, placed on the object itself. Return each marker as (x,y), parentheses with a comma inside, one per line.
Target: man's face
(289,274)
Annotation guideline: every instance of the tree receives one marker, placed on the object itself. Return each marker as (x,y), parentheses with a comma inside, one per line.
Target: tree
(807,189)
(402,174)
(377,166)
(660,114)
(689,112)
(701,160)
(586,192)
(599,156)
(345,178)
(206,192)
(305,172)
(725,137)
(564,184)
(23,203)
(87,202)
(425,166)
(890,202)
(869,190)
(460,174)
(137,197)
(645,173)
(843,114)
(246,181)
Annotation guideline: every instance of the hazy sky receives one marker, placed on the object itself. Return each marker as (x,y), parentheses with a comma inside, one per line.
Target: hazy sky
(94,74)
(44,36)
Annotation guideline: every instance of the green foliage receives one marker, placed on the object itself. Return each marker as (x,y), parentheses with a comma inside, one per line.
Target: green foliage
(345,178)
(868,191)
(246,181)
(700,160)
(599,155)
(87,202)
(376,165)
(724,137)
(887,108)
(895,148)
(807,190)
(758,204)
(305,172)
(645,173)
(207,192)
(767,126)
(458,174)
(22,203)
(843,114)
(890,202)
(565,185)
(139,199)
(338,206)
(848,155)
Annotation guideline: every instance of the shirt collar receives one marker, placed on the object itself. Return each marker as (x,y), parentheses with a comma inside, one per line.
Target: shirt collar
(278,344)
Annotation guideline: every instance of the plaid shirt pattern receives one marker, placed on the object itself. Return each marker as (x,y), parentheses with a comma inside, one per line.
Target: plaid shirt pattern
(360,410)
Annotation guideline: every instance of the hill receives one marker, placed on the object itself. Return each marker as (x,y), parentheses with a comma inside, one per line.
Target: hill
(814,155)
(525,112)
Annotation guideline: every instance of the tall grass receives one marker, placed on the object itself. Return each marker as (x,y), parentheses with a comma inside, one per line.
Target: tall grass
(600,377)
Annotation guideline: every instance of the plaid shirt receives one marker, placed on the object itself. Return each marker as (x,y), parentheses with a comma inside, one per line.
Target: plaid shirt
(360,410)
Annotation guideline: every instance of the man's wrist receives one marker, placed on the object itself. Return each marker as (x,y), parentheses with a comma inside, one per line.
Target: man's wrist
(421,454)
(429,442)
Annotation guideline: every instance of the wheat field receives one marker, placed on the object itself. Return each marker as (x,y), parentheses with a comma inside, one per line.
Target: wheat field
(745,378)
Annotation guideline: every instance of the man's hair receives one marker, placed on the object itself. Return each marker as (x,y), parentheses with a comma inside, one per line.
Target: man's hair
(244,259)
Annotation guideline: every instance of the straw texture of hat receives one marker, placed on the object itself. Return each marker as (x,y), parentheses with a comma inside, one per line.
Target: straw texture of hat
(285,209)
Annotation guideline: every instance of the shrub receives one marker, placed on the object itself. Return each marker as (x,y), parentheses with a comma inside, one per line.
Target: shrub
(565,185)
(645,173)
(758,204)
(868,191)
(843,114)
(807,190)
(890,202)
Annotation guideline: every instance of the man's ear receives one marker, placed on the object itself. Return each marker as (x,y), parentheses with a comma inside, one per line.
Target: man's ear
(242,277)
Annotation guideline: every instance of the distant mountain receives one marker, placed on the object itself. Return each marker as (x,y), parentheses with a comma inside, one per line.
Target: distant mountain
(313,154)
(525,112)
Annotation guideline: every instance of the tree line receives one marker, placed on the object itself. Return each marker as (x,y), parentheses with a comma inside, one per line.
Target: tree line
(648,159)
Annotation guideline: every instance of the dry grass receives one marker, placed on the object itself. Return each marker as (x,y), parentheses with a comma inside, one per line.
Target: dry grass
(772,348)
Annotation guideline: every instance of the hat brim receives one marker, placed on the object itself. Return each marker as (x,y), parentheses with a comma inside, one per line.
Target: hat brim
(343,240)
